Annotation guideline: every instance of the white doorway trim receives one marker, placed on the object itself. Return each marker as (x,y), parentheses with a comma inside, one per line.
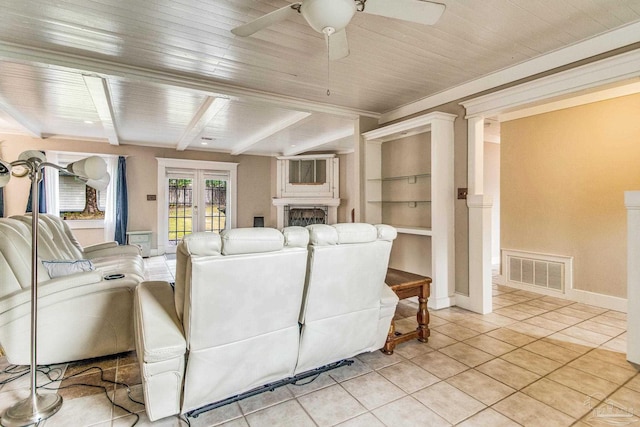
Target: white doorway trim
(606,73)
(164,163)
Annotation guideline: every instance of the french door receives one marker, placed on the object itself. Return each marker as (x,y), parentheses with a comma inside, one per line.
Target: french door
(196,201)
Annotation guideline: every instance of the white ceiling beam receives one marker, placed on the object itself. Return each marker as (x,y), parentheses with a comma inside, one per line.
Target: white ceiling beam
(268,131)
(99,91)
(317,142)
(207,111)
(67,61)
(16,115)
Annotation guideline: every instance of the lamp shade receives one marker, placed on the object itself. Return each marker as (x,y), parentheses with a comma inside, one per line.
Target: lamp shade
(321,14)
(5,173)
(32,154)
(99,184)
(93,167)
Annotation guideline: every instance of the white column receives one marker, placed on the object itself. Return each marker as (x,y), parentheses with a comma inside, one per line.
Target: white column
(479,299)
(475,152)
(442,214)
(632,202)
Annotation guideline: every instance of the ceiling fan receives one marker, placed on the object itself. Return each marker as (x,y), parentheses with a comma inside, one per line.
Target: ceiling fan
(330,17)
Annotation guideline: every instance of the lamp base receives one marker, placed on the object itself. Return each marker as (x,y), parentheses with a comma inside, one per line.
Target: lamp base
(31,410)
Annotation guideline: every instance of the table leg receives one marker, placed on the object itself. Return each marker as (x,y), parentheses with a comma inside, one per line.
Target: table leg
(390,344)
(423,315)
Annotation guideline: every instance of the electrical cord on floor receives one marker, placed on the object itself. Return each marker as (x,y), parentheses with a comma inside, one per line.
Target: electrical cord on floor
(315,377)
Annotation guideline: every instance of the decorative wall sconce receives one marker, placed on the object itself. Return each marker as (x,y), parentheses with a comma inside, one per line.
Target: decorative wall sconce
(93,171)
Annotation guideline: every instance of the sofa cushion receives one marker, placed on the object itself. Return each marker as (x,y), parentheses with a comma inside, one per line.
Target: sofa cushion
(322,235)
(251,240)
(295,237)
(356,233)
(203,243)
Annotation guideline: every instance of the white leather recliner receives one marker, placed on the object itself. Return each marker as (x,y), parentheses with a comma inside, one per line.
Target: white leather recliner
(347,307)
(256,306)
(237,301)
(108,258)
(79,316)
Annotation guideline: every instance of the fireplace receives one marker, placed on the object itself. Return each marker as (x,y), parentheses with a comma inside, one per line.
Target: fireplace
(305,215)
(307,190)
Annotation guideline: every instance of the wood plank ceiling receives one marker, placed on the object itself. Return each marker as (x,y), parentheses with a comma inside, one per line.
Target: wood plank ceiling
(169,73)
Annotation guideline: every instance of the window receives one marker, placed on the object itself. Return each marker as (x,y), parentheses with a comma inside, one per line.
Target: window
(78,201)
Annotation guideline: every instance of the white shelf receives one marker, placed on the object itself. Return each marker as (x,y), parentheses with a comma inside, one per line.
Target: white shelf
(417,231)
(397,178)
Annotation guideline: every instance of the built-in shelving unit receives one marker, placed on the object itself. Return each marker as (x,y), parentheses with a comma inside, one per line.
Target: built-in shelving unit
(409,184)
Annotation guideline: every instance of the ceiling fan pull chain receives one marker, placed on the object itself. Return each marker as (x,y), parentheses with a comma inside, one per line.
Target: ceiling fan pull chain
(328,64)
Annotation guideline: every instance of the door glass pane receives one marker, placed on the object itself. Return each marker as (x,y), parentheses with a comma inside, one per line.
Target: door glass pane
(180,209)
(216,205)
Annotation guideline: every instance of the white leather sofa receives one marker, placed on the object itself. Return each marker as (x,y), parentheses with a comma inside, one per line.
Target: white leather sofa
(79,316)
(107,257)
(254,306)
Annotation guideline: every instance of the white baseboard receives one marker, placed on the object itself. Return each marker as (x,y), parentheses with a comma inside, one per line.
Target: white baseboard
(440,303)
(585,297)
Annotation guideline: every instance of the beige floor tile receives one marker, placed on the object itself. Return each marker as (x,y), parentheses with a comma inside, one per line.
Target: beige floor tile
(559,396)
(265,400)
(330,406)
(586,335)
(436,321)
(498,319)
(488,417)
(570,342)
(456,332)
(583,382)
(513,313)
(627,399)
(528,308)
(347,372)
(528,294)
(377,359)
(516,297)
(413,348)
(508,373)
(364,420)
(438,340)
(634,384)
(448,402)
(581,314)
(618,344)
(558,301)
(373,390)
(490,345)
(604,369)
(544,304)
(511,337)
(285,414)
(408,324)
(552,351)
(466,354)
(143,421)
(408,412)
(555,316)
(588,308)
(616,315)
(603,319)
(478,325)
(76,410)
(439,364)
(528,329)
(541,322)
(531,412)
(501,301)
(238,422)
(531,361)
(408,376)
(480,386)
(308,385)
(217,416)
(601,328)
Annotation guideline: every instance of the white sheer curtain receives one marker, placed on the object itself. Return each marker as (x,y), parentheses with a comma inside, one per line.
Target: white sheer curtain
(110,208)
(51,184)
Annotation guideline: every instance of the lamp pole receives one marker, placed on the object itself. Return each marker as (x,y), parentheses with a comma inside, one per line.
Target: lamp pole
(36,407)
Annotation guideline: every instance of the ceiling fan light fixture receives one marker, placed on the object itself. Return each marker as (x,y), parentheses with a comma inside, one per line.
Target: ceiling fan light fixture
(321,14)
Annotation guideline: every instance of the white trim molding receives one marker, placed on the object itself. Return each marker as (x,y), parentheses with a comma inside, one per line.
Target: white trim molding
(164,163)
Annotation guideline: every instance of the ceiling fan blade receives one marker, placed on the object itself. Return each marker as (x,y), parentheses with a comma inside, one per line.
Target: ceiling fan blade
(265,20)
(420,11)
(338,45)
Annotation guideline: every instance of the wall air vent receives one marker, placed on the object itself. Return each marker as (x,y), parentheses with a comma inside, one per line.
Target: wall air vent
(541,271)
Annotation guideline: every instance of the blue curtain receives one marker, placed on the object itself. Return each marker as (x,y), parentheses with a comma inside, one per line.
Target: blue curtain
(1,202)
(122,204)
(42,199)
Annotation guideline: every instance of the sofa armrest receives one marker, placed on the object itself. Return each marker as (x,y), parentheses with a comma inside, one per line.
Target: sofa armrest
(98,246)
(158,329)
(113,251)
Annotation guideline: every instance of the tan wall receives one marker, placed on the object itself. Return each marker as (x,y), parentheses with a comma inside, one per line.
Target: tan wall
(347,187)
(563,177)
(256,180)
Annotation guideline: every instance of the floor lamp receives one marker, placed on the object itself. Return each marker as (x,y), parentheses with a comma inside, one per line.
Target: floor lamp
(93,171)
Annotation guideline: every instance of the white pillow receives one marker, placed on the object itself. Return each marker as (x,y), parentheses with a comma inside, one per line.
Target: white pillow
(59,268)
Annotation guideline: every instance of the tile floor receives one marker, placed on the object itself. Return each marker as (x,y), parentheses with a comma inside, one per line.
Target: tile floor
(534,361)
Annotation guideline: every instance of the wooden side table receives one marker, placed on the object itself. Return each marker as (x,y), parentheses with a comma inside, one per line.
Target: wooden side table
(406,285)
